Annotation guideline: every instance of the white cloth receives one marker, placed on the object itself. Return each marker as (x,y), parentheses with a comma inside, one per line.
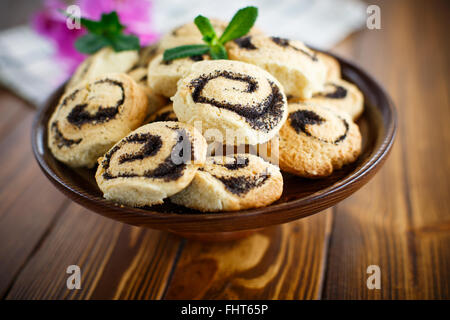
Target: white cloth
(28,66)
(319,23)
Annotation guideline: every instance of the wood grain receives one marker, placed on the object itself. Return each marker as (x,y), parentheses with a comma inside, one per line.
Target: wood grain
(29,204)
(116,261)
(426,147)
(400,220)
(139,266)
(282,262)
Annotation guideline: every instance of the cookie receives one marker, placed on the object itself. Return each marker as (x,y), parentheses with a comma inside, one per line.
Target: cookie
(189,34)
(232,183)
(93,116)
(332,65)
(146,55)
(164,75)
(341,95)
(234,102)
(150,164)
(316,140)
(155,101)
(104,61)
(164,114)
(297,67)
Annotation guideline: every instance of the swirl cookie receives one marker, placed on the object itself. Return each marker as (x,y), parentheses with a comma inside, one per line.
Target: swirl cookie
(297,67)
(91,117)
(164,75)
(102,62)
(189,34)
(332,65)
(164,114)
(231,99)
(316,140)
(341,95)
(152,163)
(146,55)
(232,183)
(155,101)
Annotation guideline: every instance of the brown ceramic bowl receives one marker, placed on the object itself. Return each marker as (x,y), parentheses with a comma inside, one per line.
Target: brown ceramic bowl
(300,198)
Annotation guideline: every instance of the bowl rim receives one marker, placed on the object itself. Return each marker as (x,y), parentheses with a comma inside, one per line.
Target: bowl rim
(161,220)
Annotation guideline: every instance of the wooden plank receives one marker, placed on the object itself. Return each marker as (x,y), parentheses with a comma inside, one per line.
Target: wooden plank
(140,265)
(116,260)
(12,111)
(78,238)
(399,221)
(29,228)
(281,262)
(426,145)
(28,202)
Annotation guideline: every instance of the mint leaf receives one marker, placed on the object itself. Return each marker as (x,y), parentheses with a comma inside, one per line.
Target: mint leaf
(92,26)
(185,51)
(240,24)
(122,42)
(90,43)
(206,29)
(105,32)
(111,23)
(218,52)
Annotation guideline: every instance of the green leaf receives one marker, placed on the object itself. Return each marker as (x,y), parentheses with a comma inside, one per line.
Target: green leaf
(240,24)
(105,32)
(90,43)
(108,24)
(218,52)
(185,51)
(111,23)
(92,26)
(122,42)
(204,25)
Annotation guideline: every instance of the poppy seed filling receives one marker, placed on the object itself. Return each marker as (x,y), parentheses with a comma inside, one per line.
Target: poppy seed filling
(261,116)
(238,162)
(287,44)
(301,118)
(78,116)
(60,140)
(245,43)
(165,116)
(241,185)
(338,93)
(166,170)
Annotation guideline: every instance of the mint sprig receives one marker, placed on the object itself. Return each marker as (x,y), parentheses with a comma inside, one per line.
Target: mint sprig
(185,51)
(240,25)
(108,31)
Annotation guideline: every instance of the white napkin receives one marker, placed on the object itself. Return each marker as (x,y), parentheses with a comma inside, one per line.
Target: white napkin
(28,66)
(319,23)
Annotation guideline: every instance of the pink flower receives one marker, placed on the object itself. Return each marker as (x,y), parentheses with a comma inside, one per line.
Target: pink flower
(51,23)
(134,14)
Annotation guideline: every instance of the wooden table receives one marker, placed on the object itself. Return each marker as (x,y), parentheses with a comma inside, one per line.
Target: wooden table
(400,221)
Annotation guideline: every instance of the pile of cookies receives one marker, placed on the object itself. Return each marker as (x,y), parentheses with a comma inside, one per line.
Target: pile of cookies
(158,129)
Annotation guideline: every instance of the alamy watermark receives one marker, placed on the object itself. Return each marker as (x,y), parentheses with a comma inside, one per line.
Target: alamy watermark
(74,280)
(374,17)
(73,20)
(374,280)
